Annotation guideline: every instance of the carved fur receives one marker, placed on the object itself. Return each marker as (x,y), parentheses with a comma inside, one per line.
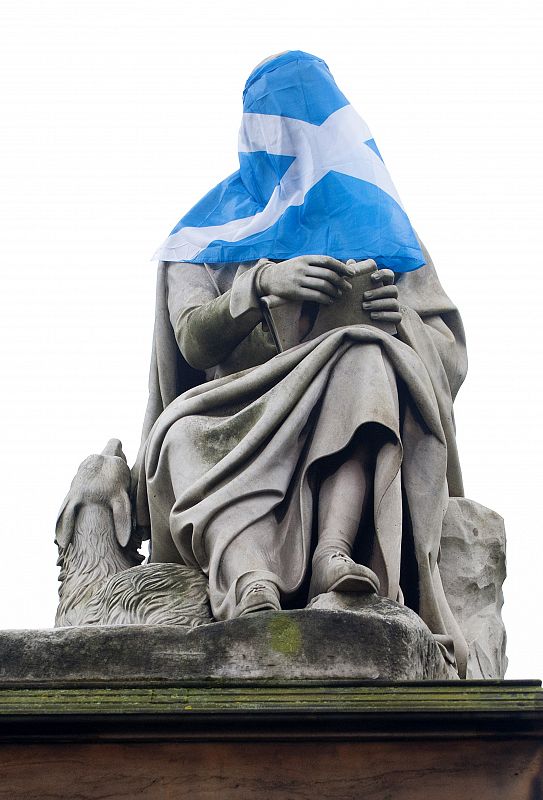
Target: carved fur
(159,594)
(102,581)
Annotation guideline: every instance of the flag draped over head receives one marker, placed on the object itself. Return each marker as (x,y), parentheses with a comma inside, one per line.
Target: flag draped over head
(311,181)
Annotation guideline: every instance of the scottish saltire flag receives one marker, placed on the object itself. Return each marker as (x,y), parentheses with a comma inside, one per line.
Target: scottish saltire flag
(311,181)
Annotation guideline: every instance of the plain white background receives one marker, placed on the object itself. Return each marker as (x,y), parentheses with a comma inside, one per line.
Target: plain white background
(118,116)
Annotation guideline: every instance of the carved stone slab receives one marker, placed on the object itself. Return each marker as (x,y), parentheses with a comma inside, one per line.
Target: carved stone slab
(383,642)
(472,568)
(293,741)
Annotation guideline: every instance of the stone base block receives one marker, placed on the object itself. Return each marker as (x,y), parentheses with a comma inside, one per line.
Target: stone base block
(471,740)
(362,638)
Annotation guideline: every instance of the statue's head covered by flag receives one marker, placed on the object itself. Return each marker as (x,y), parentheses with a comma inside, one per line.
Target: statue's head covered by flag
(311,181)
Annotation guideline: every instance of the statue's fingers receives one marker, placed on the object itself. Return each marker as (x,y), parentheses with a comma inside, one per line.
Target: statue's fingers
(386,304)
(321,285)
(362,267)
(315,296)
(329,275)
(331,263)
(381,291)
(387,316)
(386,276)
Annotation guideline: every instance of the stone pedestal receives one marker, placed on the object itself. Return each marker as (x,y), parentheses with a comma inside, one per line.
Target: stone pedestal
(376,639)
(351,698)
(477,740)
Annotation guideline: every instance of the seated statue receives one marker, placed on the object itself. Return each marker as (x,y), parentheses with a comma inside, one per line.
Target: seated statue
(329,466)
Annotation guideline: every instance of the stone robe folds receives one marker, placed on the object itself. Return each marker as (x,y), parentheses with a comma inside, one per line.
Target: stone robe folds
(228,468)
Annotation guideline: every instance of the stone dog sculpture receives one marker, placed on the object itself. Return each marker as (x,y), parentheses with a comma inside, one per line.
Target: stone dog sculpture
(267,480)
(102,582)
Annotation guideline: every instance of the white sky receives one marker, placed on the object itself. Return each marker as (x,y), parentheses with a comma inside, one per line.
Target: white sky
(117,116)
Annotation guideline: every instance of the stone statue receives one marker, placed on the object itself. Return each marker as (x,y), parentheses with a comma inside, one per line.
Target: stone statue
(101,580)
(277,478)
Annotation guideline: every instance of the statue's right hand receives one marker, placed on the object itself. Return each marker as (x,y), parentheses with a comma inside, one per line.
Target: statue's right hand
(320,279)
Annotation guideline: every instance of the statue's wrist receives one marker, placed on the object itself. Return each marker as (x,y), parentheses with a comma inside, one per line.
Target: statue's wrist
(261,286)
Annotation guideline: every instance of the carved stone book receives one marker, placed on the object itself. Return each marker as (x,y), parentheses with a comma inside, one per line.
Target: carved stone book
(293,322)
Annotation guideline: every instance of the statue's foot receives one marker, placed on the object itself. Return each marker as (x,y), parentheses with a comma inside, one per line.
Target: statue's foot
(258,596)
(339,573)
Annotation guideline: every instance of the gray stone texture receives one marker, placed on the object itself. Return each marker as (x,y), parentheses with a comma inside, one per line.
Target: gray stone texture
(378,640)
(472,568)
(101,587)
(226,473)
(299,444)
(102,581)
(336,443)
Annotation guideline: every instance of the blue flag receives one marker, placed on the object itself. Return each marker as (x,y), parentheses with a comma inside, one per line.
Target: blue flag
(311,181)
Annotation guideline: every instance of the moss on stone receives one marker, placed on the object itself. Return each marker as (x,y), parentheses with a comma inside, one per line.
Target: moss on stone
(286,636)
(506,698)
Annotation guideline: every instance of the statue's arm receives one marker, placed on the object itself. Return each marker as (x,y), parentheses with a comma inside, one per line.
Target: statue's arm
(208,326)
(428,309)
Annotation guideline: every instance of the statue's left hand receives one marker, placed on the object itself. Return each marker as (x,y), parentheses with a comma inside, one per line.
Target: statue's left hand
(382,301)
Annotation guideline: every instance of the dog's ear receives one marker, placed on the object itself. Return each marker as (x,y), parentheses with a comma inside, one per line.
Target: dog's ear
(122,517)
(114,448)
(64,529)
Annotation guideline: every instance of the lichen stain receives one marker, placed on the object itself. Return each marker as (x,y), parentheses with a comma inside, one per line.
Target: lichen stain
(216,440)
(286,637)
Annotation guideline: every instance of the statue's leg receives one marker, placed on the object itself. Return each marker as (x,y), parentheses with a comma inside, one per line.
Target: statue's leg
(345,490)
(244,576)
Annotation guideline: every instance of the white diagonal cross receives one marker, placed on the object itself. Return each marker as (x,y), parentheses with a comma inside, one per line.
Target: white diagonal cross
(336,145)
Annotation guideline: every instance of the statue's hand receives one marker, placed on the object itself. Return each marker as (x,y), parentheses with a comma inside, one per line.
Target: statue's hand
(382,301)
(320,279)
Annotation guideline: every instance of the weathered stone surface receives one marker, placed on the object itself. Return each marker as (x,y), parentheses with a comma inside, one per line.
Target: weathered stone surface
(378,640)
(274,741)
(472,568)
(395,639)
(102,580)
(444,768)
